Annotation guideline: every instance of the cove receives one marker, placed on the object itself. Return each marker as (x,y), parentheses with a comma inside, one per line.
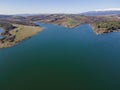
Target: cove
(60,58)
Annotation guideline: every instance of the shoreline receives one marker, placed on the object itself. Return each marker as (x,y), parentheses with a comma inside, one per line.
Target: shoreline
(23,32)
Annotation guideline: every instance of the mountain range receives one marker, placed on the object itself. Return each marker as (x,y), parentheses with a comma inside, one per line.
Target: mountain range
(104,12)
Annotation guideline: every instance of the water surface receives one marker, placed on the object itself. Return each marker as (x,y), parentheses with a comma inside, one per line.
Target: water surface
(1,31)
(59,58)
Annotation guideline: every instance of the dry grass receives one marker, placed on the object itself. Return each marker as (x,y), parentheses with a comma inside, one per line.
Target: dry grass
(22,32)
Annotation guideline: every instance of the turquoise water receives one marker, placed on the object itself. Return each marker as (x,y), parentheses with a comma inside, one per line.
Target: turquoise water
(59,58)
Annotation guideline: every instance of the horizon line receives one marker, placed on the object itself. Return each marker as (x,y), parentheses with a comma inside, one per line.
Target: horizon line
(35,13)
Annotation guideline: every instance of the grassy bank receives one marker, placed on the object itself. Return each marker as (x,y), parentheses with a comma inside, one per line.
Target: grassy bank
(21,33)
(105,27)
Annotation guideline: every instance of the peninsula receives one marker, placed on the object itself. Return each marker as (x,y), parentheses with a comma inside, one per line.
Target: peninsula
(16,33)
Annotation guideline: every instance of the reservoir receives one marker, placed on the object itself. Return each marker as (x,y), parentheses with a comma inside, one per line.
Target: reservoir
(60,58)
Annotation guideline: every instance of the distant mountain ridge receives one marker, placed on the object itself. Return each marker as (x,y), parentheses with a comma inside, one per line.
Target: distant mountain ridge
(101,13)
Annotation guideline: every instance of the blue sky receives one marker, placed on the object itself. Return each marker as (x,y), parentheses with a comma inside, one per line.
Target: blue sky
(54,6)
